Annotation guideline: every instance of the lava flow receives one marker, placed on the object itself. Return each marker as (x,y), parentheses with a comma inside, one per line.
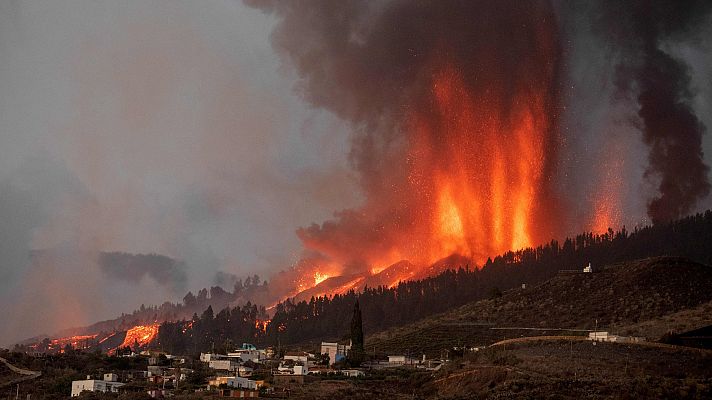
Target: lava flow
(140,336)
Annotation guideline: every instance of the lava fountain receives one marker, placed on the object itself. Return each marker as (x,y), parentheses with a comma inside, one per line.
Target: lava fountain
(454,107)
(484,172)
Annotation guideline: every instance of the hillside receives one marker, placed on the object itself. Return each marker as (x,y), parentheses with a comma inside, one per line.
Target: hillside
(401,271)
(541,369)
(619,296)
(564,369)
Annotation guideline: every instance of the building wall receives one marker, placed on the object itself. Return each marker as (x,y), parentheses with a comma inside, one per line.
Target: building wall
(297,358)
(396,359)
(334,350)
(93,385)
(239,382)
(79,386)
(225,365)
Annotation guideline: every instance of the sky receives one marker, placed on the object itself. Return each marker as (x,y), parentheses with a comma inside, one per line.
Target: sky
(181,128)
(163,127)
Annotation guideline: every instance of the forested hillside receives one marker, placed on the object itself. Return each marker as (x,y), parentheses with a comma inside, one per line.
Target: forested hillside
(327,317)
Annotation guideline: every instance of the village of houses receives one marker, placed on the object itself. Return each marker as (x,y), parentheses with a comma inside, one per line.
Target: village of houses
(249,372)
(245,372)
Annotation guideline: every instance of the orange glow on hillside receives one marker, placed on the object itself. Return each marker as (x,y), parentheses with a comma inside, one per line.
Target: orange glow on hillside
(319,277)
(76,342)
(141,334)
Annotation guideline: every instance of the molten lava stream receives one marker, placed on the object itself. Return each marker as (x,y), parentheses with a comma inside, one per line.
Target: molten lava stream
(142,335)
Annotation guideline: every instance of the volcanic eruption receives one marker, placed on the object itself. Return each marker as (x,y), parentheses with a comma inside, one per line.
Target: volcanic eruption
(454,114)
(455,108)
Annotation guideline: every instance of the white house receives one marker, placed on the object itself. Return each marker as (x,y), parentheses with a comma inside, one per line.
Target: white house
(95,385)
(241,383)
(599,336)
(588,269)
(207,357)
(336,352)
(223,365)
(292,369)
(111,377)
(233,381)
(247,355)
(302,357)
(396,359)
(352,373)
(607,337)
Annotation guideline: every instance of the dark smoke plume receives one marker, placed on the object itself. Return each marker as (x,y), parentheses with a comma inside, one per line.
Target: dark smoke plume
(660,84)
(377,63)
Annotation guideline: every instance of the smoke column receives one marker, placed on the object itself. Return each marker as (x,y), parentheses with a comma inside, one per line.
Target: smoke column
(660,84)
(454,107)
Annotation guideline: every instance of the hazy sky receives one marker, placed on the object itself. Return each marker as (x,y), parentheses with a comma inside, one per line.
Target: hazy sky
(162,126)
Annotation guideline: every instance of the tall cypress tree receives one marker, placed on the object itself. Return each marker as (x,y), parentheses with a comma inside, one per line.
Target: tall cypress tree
(356,353)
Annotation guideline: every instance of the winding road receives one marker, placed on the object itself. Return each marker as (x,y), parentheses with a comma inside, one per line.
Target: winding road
(26,374)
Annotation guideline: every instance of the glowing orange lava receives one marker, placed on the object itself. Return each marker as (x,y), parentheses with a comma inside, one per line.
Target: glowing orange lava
(485,174)
(261,324)
(76,342)
(141,335)
(477,168)
(319,277)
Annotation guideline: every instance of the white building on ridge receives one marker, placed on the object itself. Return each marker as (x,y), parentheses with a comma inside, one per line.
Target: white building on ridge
(95,385)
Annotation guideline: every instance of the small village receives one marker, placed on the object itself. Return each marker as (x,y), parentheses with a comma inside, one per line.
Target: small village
(249,372)
(246,372)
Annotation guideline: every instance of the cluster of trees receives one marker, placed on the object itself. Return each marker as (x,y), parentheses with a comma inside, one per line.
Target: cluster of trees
(217,333)
(215,297)
(329,317)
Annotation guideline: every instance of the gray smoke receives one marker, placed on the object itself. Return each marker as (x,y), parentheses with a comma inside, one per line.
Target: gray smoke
(660,83)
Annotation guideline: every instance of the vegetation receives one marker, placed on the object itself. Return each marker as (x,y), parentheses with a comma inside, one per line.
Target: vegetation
(216,297)
(356,353)
(623,295)
(216,333)
(59,370)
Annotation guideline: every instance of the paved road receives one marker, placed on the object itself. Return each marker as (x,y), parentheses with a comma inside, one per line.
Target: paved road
(583,338)
(26,374)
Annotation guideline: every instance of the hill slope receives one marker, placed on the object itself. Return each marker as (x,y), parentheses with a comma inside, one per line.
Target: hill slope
(621,295)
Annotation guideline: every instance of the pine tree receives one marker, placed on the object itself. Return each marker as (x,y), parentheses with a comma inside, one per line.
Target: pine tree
(356,353)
